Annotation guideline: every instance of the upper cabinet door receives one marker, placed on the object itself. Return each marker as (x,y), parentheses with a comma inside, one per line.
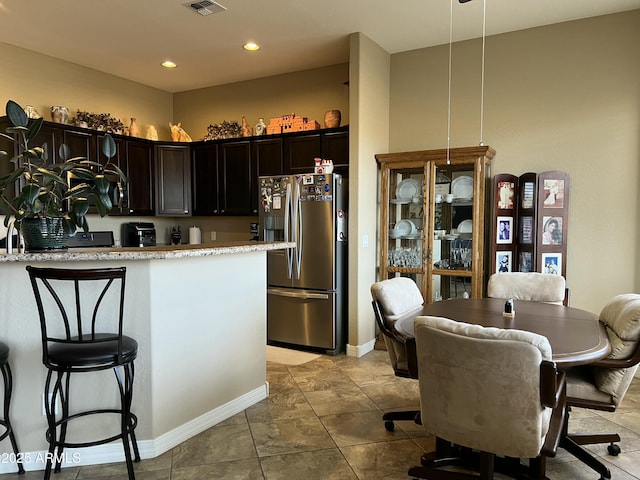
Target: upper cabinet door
(204,179)
(140,177)
(173,180)
(234,164)
(299,152)
(335,147)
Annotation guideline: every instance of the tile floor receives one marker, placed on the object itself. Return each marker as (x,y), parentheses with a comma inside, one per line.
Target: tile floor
(323,421)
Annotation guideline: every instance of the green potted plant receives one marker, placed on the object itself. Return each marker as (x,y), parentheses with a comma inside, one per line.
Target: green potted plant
(36,196)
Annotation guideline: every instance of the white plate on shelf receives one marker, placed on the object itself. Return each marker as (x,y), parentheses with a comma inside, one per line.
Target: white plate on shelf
(400,201)
(450,236)
(465,226)
(462,187)
(408,188)
(405,227)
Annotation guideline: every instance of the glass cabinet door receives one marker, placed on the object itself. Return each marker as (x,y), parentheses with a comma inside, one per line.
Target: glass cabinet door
(403,232)
(454,221)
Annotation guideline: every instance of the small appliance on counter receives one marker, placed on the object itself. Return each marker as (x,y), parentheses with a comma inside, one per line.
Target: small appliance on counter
(91,240)
(138,234)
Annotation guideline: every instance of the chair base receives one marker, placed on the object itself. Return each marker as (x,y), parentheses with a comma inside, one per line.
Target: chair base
(572,443)
(389,417)
(467,464)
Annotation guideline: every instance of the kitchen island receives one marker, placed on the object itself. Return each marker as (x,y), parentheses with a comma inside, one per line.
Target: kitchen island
(198,313)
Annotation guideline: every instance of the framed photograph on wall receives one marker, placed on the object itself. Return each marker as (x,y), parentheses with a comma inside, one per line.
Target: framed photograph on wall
(526,262)
(551,230)
(504,230)
(526,229)
(505,194)
(528,195)
(553,191)
(552,263)
(503,261)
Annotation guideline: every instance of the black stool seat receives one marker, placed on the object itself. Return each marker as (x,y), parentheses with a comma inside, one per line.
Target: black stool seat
(100,354)
(84,304)
(8,387)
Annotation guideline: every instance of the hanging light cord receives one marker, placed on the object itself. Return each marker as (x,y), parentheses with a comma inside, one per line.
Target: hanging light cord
(449,94)
(484,31)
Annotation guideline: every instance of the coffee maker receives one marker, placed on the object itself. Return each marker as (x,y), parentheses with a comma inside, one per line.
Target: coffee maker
(138,234)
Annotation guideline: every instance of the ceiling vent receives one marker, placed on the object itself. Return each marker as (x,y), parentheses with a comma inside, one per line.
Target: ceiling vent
(205,7)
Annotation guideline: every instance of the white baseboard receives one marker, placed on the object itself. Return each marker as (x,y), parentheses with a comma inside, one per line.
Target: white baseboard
(113,452)
(359,350)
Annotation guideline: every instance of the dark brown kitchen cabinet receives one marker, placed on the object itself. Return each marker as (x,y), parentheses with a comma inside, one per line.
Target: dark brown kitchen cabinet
(267,160)
(173,180)
(236,180)
(335,147)
(204,179)
(140,177)
(299,152)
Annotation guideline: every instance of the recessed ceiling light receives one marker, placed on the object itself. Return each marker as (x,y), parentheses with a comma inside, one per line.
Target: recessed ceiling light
(251,46)
(168,64)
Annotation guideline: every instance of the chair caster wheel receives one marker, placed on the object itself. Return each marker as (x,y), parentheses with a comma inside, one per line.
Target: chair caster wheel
(613,449)
(389,426)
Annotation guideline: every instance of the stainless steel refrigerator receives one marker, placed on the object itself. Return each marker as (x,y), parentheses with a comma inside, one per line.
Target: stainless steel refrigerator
(306,294)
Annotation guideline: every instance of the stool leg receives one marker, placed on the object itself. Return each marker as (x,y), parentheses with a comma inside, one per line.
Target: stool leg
(133,433)
(8,388)
(49,406)
(64,404)
(126,391)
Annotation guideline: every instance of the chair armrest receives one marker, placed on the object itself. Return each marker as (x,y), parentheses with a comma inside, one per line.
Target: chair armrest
(552,384)
(558,420)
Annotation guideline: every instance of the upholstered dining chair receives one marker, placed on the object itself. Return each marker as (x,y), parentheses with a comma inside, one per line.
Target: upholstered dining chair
(393,299)
(532,286)
(602,385)
(491,397)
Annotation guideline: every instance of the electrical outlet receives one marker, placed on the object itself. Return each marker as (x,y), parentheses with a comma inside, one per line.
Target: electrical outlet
(44,409)
(214,235)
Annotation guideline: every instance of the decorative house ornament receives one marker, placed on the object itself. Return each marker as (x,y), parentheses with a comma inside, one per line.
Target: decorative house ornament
(60,114)
(291,123)
(178,134)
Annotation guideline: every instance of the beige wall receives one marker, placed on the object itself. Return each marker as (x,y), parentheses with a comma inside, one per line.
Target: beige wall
(368,134)
(309,93)
(30,78)
(561,97)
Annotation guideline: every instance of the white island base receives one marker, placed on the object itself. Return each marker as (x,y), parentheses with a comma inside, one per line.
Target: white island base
(199,316)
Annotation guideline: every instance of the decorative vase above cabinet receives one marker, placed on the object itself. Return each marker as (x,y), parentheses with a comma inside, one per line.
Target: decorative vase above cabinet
(432,219)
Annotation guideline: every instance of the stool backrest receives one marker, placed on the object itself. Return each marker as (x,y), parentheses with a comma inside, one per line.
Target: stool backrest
(79,306)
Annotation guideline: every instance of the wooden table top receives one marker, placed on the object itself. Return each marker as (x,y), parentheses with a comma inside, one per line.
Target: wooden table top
(576,336)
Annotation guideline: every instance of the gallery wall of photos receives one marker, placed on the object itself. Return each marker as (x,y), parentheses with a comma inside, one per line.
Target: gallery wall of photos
(530,223)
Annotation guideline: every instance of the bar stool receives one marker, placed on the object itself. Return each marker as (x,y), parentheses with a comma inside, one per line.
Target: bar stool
(80,336)
(8,387)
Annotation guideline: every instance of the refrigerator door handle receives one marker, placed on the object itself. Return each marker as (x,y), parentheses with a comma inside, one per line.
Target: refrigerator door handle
(304,295)
(287,230)
(298,220)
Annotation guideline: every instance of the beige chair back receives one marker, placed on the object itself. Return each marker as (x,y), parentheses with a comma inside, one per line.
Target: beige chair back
(397,298)
(480,387)
(532,286)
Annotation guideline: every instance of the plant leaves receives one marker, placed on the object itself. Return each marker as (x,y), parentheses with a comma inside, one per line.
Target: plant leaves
(64,152)
(51,175)
(17,115)
(80,206)
(34,128)
(29,193)
(83,173)
(102,184)
(108,146)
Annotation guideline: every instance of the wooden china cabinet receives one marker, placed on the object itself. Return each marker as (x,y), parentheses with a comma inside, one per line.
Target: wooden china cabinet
(433,208)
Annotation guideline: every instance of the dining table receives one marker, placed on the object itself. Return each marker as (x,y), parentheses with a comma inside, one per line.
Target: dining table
(577,337)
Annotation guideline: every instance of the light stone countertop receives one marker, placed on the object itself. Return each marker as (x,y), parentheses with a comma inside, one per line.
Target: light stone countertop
(147,253)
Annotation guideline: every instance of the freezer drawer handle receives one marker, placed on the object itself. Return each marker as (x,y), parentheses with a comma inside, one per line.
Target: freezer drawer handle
(284,293)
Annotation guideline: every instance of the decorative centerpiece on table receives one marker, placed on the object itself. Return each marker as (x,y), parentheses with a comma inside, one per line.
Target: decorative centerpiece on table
(36,197)
(226,129)
(98,121)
